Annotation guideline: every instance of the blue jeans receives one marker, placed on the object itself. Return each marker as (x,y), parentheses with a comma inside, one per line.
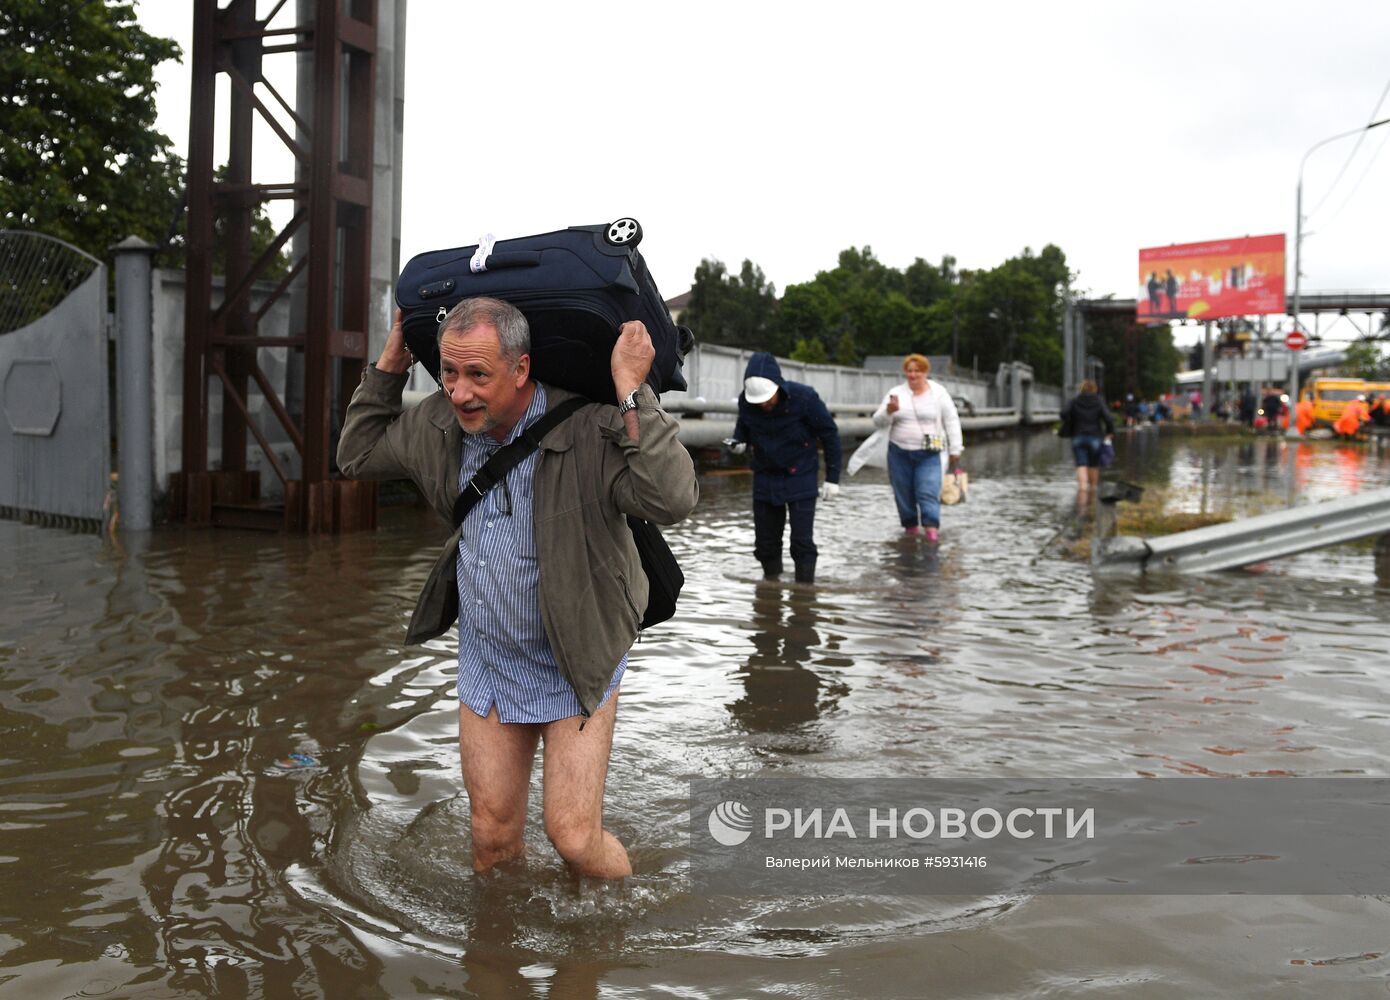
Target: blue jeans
(916,479)
(1086,450)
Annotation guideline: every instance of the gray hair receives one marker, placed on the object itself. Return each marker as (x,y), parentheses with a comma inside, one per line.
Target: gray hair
(513,331)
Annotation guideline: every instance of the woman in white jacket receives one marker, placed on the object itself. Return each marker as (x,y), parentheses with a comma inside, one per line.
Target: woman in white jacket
(923,429)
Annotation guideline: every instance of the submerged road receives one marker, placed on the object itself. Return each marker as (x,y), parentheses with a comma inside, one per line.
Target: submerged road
(223,775)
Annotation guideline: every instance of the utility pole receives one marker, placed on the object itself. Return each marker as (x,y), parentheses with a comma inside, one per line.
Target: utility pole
(1298,257)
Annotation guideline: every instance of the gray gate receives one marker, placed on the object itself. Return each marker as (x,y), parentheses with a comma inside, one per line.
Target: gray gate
(55,437)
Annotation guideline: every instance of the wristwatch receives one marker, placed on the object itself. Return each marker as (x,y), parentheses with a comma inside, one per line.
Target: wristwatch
(629,402)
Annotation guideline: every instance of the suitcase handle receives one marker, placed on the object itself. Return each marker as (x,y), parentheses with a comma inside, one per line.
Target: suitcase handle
(522,258)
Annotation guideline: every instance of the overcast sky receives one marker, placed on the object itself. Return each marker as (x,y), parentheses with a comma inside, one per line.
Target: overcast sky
(784,133)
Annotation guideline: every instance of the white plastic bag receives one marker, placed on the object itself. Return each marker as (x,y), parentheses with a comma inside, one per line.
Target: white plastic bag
(874,451)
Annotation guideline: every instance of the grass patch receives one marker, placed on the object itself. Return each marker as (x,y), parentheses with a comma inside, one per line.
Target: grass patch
(1208,429)
(1146,518)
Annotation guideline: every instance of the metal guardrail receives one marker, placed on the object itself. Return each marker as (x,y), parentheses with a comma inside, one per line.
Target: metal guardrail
(1251,540)
(705,423)
(699,431)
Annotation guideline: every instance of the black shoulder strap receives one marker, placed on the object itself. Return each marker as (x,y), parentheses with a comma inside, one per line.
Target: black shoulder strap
(509,456)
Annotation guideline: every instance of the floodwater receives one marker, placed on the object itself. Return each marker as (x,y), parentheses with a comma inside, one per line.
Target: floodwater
(222,776)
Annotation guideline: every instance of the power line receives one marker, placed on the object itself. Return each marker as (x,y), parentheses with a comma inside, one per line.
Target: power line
(1350,156)
(1352,193)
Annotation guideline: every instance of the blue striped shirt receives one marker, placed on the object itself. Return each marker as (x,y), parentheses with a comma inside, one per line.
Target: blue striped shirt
(505,658)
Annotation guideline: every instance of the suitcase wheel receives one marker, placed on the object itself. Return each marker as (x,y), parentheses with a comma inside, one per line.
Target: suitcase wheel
(623,232)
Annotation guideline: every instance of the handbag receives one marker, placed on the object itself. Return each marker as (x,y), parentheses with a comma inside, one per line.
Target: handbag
(1107,453)
(954,487)
(664,576)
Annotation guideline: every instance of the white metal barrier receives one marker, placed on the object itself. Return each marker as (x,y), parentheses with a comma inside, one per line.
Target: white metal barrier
(1250,540)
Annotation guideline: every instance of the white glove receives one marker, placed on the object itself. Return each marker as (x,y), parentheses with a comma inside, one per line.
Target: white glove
(829,491)
(737,447)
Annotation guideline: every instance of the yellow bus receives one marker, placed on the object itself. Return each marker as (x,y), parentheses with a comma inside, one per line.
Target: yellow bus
(1330,395)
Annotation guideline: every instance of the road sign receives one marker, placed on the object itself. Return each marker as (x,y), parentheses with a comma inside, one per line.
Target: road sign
(1296,340)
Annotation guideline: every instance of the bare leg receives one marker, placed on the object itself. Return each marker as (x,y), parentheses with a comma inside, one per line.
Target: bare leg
(1093,474)
(576,766)
(1083,479)
(496,762)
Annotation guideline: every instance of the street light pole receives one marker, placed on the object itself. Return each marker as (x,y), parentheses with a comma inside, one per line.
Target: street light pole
(1298,262)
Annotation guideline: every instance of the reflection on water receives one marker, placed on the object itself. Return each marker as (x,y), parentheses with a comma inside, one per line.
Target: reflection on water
(222,775)
(782,691)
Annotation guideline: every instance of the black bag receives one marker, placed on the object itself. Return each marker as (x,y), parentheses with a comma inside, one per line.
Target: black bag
(575,286)
(1064,428)
(664,576)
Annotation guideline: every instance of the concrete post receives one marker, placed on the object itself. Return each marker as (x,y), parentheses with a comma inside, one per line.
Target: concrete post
(1078,351)
(1206,370)
(388,143)
(1083,358)
(134,364)
(398,137)
(299,242)
(1069,359)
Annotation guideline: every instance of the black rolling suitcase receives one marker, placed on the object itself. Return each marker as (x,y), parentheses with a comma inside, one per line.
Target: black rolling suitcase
(575,286)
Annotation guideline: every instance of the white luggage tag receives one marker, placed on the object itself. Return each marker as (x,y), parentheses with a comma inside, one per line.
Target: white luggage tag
(479,262)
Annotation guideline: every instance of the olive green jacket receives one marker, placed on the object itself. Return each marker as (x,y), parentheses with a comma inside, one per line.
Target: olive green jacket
(588,477)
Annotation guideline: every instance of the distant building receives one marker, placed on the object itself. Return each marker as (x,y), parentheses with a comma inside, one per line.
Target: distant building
(677,305)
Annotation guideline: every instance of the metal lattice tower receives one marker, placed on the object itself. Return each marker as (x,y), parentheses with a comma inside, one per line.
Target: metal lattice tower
(333,200)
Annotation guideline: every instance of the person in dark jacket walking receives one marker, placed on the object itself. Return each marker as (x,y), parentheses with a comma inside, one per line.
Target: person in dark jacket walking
(781,421)
(1089,423)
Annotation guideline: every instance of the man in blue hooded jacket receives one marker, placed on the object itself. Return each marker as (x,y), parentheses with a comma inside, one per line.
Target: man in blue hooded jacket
(781,422)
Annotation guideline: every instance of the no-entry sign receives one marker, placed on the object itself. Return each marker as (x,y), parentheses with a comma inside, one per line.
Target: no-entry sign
(1296,340)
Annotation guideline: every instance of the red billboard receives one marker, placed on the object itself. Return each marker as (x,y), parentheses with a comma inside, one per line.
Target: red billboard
(1239,277)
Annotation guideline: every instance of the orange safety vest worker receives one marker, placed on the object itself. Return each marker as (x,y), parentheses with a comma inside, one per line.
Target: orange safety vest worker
(1349,423)
(1303,415)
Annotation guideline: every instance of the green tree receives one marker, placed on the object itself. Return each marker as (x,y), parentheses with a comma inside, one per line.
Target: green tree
(738,310)
(1138,358)
(812,352)
(887,323)
(859,308)
(82,159)
(1366,359)
(860,269)
(1013,312)
(847,352)
(926,284)
(808,312)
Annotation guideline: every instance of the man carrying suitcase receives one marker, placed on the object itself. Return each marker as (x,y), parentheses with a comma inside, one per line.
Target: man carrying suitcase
(542,573)
(782,421)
